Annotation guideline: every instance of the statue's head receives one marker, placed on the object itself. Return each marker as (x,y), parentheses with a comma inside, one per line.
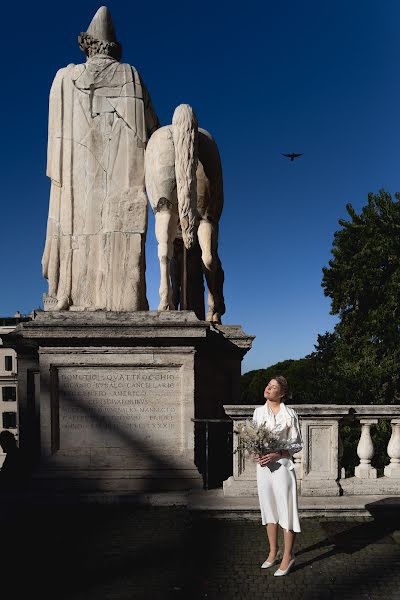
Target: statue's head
(7,441)
(100,36)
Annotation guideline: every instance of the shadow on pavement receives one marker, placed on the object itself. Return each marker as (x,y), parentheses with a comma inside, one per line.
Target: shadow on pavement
(346,539)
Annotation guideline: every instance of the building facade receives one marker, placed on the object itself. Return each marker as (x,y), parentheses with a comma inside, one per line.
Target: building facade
(9,406)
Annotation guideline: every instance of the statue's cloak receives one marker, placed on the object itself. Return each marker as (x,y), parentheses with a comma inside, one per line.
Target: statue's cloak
(100,118)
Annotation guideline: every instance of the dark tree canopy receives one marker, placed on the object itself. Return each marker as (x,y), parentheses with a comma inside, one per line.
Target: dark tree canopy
(363,282)
(297,372)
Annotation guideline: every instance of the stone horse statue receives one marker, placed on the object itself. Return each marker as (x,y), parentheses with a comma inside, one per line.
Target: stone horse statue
(183,177)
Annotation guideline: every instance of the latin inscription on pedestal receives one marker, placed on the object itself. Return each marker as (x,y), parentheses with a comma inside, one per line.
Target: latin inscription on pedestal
(109,407)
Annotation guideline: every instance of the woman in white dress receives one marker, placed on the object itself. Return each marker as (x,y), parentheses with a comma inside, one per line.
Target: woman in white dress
(276,478)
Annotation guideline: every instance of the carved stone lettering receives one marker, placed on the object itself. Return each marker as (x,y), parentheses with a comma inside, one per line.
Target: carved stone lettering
(114,407)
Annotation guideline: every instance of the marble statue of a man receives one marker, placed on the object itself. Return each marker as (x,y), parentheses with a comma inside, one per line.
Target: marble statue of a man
(100,118)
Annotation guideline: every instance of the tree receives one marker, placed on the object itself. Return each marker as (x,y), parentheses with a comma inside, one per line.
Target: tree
(297,372)
(328,386)
(363,282)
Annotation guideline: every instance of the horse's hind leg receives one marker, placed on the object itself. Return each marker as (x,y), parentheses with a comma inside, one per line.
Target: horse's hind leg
(208,240)
(165,229)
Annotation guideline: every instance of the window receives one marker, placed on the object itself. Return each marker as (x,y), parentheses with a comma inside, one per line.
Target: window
(8,363)
(9,394)
(9,420)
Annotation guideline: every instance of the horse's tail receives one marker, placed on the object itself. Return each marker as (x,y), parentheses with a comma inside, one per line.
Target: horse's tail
(185,131)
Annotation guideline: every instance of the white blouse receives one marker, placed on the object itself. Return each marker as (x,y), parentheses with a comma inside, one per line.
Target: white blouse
(285,426)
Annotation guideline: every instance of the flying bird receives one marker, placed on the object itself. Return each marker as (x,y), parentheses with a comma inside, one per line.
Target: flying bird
(292,156)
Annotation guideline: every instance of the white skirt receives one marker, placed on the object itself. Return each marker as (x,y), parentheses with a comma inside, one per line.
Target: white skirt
(277,493)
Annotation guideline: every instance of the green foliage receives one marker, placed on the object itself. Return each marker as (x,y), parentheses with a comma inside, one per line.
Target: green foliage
(312,380)
(297,372)
(350,435)
(327,385)
(363,282)
(252,385)
(381,436)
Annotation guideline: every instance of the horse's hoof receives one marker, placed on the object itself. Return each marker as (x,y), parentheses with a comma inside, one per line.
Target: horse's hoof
(213,317)
(62,304)
(166,307)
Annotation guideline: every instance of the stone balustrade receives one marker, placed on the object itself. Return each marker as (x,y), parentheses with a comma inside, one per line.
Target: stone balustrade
(318,467)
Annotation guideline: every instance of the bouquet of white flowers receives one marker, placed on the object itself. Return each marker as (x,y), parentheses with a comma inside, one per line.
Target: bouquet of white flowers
(257,439)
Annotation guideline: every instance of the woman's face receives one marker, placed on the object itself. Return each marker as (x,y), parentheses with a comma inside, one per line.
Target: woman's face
(273,391)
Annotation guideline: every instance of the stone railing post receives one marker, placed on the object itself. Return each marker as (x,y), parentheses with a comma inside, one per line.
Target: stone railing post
(320,456)
(243,480)
(393,469)
(365,451)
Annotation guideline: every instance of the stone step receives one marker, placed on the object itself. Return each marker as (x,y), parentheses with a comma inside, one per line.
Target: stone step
(214,501)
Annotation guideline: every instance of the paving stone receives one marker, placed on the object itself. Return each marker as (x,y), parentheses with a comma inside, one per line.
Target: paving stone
(159,553)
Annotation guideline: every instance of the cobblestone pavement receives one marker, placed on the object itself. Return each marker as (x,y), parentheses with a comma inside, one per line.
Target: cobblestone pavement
(128,553)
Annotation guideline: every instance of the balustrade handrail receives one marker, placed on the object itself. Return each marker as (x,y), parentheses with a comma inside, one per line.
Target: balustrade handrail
(211,420)
(240,411)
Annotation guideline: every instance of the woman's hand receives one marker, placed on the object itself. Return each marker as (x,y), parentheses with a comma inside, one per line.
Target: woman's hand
(267,458)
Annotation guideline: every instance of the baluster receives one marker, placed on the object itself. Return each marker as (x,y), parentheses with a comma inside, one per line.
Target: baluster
(393,450)
(342,470)
(365,451)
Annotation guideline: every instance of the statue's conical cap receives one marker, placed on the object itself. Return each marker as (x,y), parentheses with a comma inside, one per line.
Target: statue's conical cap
(101,26)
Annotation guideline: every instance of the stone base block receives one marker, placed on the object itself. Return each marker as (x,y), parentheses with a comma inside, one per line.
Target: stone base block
(393,471)
(239,488)
(320,488)
(243,488)
(134,482)
(353,486)
(365,472)
(215,504)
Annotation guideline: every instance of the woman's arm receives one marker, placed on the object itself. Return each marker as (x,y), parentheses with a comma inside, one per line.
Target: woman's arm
(270,457)
(295,440)
(294,444)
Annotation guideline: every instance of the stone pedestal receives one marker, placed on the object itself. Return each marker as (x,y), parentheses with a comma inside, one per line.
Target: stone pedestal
(320,457)
(243,481)
(118,392)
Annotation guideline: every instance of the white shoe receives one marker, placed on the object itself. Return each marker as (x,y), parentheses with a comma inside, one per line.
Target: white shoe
(267,564)
(280,573)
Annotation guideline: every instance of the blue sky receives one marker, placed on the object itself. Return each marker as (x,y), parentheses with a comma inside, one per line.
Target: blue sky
(322,78)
